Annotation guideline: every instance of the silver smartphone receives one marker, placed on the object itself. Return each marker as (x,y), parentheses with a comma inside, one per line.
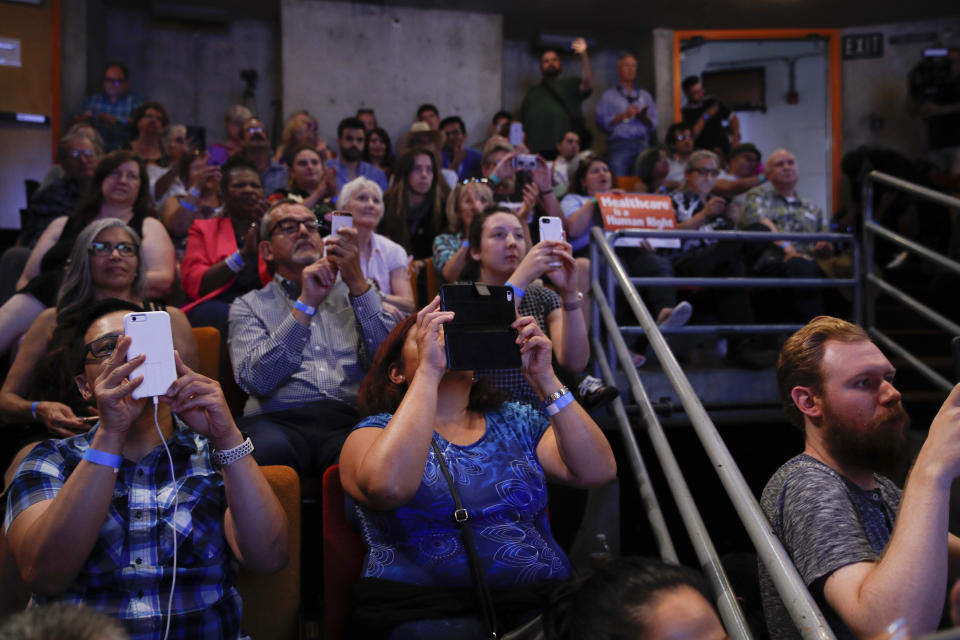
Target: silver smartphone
(339,220)
(151,334)
(551,229)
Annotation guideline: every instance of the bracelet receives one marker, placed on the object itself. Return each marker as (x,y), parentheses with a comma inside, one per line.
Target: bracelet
(517,291)
(33,409)
(573,306)
(305,308)
(546,192)
(234,261)
(706,116)
(763,178)
(186,205)
(556,395)
(563,401)
(193,191)
(103,458)
(465,244)
(593,199)
(494,178)
(229,456)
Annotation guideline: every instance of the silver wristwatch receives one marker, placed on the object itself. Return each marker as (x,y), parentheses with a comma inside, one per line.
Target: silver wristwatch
(229,456)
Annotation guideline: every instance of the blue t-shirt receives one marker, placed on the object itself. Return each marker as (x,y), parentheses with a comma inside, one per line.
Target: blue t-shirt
(502,486)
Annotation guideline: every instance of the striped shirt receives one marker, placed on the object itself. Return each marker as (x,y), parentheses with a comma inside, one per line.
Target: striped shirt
(283,364)
(128,573)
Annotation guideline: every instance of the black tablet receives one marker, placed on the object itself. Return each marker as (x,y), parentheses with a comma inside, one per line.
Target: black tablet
(480,335)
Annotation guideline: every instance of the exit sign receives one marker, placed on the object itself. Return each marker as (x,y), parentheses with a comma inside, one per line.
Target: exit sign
(862,45)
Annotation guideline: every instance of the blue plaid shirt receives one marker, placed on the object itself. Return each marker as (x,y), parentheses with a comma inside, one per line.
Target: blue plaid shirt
(121,109)
(128,573)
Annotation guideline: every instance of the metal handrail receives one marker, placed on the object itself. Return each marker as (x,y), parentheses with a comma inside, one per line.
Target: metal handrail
(875,284)
(796,598)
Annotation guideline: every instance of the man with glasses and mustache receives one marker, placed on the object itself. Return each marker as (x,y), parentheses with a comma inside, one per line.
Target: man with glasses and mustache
(869,552)
(255,147)
(301,344)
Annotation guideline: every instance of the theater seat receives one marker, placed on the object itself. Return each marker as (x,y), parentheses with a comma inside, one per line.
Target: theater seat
(343,552)
(208,350)
(271,604)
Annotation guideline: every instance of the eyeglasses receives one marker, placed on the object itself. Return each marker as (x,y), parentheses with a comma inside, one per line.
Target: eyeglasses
(683,136)
(254,130)
(81,153)
(102,347)
(114,81)
(291,226)
(125,249)
(706,172)
(476,181)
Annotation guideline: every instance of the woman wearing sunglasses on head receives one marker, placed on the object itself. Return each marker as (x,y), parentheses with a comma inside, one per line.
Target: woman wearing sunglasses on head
(105,263)
(450,250)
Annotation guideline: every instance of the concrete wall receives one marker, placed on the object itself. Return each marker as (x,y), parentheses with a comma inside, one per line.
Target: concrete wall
(339,56)
(25,155)
(193,69)
(875,89)
(801,127)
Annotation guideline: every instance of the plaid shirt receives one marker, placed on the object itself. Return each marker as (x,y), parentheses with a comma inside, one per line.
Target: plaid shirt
(128,573)
(283,364)
(444,246)
(794,214)
(121,109)
(538,302)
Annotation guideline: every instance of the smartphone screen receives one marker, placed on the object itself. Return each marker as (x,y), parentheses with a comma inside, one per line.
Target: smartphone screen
(152,336)
(516,133)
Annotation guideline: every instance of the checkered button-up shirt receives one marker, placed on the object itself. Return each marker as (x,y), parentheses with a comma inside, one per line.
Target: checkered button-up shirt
(121,109)
(283,364)
(128,574)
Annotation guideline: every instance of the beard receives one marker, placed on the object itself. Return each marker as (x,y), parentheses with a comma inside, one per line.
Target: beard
(880,446)
(551,72)
(351,154)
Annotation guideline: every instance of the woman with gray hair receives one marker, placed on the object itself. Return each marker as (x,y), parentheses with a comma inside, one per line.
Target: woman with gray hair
(104,263)
(384,262)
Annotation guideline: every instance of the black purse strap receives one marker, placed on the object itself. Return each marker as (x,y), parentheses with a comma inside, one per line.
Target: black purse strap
(461,518)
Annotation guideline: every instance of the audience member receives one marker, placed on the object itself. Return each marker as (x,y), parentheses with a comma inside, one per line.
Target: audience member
(222,259)
(164,175)
(310,182)
(255,148)
(778,207)
(635,598)
(300,345)
(430,115)
(85,130)
(414,205)
(741,176)
(568,150)
(78,156)
(628,115)
(301,130)
(200,202)
(499,119)
(368,118)
(531,195)
(456,155)
(61,621)
(424,417)
(89,518)
(450,250)
(714,127)
(869,552)
(680,145)
(109,111)
(118,189)
(351,135)
(383,261)
(498,255)
(698,209)
(653,165)
(236,117)
(104,263)
(422,137)
(146,124)
(553,106)
(378,152)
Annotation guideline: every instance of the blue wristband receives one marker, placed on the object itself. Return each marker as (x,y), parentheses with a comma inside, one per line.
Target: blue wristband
(305,308)
(465,244)
(33,409)
(517,291)
(103,458)
(189,207)
(494,178)
(554,407)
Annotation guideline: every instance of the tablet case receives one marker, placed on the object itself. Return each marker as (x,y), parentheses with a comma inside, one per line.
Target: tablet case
(480,335)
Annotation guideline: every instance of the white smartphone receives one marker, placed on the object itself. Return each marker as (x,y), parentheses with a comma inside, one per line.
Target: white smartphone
(152,336)
(516,133)
(551,229)
(339,220)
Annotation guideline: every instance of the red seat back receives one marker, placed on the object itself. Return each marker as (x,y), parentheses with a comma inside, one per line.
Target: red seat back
(343,552)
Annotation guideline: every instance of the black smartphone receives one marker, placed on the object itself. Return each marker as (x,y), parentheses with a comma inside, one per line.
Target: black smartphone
(480,335)
(199,137)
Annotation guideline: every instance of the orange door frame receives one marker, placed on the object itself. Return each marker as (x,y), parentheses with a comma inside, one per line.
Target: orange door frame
(834,79)
(55,71)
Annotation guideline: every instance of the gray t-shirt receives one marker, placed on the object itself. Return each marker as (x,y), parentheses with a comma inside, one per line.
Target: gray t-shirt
(825,522)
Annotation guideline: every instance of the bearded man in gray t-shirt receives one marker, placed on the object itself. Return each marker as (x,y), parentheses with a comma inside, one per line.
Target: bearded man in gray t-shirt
(869,553)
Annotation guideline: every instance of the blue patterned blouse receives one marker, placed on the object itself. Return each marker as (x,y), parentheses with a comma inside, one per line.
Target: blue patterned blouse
(502,486)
